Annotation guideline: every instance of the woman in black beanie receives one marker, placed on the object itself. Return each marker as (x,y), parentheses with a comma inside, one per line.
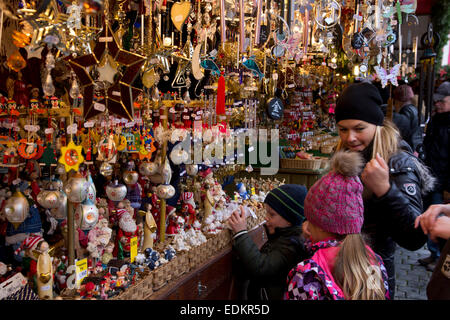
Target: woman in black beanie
(394,179)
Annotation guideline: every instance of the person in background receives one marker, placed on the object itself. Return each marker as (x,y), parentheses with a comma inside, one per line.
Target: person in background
(266,269)
(403,97)
(436,223)
(437,157)
(394,179)
(343,266)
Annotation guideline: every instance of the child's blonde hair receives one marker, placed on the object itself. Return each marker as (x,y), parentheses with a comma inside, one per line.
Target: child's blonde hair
(356,270)
(385,140)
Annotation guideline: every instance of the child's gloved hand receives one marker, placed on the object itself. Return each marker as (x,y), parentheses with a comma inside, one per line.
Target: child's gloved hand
(237,220)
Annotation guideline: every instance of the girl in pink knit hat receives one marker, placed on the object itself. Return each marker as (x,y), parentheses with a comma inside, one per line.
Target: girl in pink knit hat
(342,266)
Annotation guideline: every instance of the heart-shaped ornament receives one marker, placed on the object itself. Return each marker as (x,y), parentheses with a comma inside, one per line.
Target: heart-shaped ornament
(179,13)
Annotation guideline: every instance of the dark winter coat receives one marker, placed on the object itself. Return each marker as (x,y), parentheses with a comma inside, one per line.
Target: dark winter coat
(437,149)
(413,134)
(390,218)
(267,268)
(407,123)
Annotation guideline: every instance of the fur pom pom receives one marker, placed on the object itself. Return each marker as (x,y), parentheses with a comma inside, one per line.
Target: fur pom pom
(347,163)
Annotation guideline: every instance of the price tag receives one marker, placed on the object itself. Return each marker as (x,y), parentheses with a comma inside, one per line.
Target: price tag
(200,112)
(72,129)
(12,285)
(81,270)
(117,121)
(88,124)
(163,116)
(31,128)
(133,248)
(186,117)
(16,182)
(129,124)
(49,131)
(116,93)
(100,107)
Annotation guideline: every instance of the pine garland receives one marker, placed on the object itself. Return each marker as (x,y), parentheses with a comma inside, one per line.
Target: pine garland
(440,17)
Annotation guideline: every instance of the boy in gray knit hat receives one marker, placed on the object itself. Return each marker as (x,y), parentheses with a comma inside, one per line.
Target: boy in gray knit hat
(265,270)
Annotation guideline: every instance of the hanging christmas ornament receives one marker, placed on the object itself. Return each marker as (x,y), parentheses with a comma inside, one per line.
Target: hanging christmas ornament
(107,150)
(16,209)
(49,199)
(92,192)
(165,191)
(148,168)
(130,177)
(116,191)
(179,13)
(71,156)
(48,87)
(16,62)
(196,70)
(88,214)
(77,188)
(106,169)
(60,212)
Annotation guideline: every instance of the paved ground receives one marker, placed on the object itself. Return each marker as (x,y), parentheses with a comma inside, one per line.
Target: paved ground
(411,278)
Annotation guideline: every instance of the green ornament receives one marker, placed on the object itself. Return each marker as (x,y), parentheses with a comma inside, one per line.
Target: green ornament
(48,157)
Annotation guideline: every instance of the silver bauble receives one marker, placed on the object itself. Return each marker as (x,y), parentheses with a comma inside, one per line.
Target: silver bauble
(116,191)
(148,168)
(130,177)
(16,209)
(88,214)
(165,191)
(49,199)
(77,188)
(60,213)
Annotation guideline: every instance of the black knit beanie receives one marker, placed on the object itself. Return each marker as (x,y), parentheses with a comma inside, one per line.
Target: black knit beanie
(360,101)
(287,200)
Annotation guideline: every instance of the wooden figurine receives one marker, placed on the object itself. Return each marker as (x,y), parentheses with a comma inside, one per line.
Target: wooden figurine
(44,274)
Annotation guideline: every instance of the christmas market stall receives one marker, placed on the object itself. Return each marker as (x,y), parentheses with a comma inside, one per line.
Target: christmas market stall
(131,130)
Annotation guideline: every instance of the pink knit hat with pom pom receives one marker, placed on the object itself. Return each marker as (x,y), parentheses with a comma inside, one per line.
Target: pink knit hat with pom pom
(334,203)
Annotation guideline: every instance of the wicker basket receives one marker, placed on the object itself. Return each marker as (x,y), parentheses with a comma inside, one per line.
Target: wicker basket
(139,290)
(198,255)
(180,265)
(224,239)
(327,149)
(312,164)
(162,275)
